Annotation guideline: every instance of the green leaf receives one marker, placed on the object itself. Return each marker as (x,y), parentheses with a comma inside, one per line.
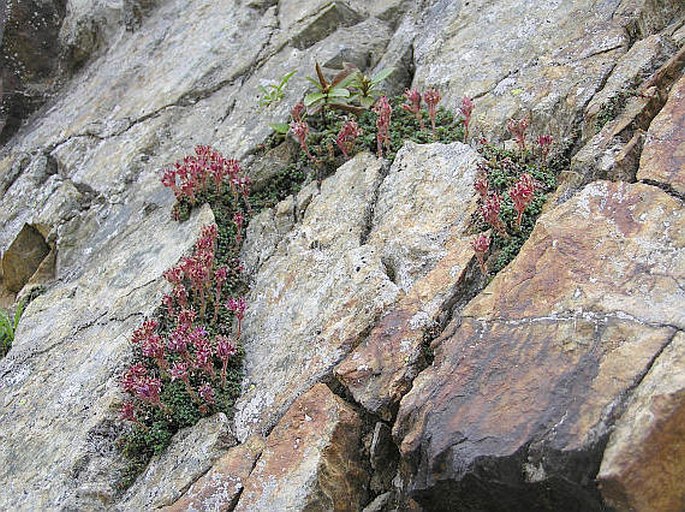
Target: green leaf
(366,101)
(339,93)
(313,97)
(315,82)
(280,128)
(382,75)
(287,77)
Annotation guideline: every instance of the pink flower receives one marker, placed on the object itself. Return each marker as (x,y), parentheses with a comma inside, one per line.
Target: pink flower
(128,412)
(347,136)
(144,331)
(178,340)
(300,130)
(148,390)
(466,110)
(179,371)
(384,111)
(206,392)
(413,105)
(481,185)
(518,130)
(490,211)
(297,111)
(522,194)
(134,374)
(225,349)
(238,307)
(480,245)
(432,97)
(545,143)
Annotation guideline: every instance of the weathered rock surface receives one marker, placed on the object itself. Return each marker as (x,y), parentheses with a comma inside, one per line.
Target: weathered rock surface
(190,456)
(328,286)
(28,59)
(623,116)
(316,295)
(155,78)
(60,379)
(644,463)
(663,156)
(311,460)
(517,407)
(219,488)
(546,60)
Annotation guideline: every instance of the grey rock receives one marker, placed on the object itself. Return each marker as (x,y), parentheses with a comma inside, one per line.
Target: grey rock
(328,287)
(190,455)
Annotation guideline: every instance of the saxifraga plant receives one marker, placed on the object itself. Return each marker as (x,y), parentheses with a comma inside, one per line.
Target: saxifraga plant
(187,360)
(513,186)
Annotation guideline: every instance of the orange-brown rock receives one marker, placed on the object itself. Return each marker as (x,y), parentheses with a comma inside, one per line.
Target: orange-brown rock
(380,371)
(219,488)
(663,156)
(525,386)
(644,463)
(311,459)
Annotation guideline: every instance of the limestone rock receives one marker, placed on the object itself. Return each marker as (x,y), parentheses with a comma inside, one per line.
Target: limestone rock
(640,61)
(644,462)
(380,371)
(329,279)
(614,152)
(60,379)
(219,488)
(545,61)
(311,459)
(313,297)
(190,455)
(526,385)
(663,156)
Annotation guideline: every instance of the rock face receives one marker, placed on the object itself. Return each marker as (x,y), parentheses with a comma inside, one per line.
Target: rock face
(663,157)
(516,409)
(28,58)
(643,464)
(191,455)
(345,264)
(311,459)
(359,283)
(219,488)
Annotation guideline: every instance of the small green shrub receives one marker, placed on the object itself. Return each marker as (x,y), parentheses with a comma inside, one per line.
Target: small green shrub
(8,326)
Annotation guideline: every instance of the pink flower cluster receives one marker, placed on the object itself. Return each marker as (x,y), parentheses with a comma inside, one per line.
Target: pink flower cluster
(522,194)
(185,351)
(384,110)
(432,97)
(413,105)
(194,174)
(480,245)
(518,129)
(347,136)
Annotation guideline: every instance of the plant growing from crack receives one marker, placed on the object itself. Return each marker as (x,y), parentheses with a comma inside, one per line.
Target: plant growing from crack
(8,326)
(512,187)
(187,359)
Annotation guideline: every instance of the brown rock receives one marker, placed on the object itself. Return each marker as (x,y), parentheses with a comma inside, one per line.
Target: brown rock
(311,460)
(644,463)
(514,412)
(663,156)
(23,258)
(380,371)
(219,489)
